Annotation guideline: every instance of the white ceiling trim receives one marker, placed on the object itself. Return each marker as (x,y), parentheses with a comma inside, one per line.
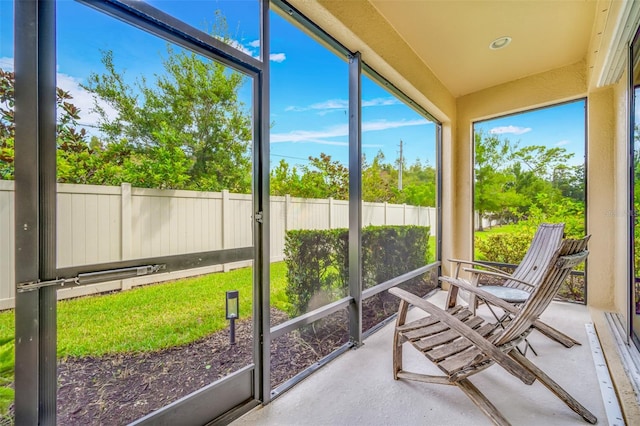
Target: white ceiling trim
(617,52)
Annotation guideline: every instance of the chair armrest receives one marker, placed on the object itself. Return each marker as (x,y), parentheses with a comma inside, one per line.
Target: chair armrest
(461,262)
(498,275)
(484,295)
(488,348)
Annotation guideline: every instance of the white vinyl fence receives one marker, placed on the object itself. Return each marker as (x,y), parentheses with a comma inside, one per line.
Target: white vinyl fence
(99,224)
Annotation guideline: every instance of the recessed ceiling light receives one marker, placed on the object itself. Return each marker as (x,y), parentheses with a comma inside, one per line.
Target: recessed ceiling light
(500,42)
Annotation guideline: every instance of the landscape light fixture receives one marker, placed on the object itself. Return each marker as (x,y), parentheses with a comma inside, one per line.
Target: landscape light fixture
(500,42)
(232,310)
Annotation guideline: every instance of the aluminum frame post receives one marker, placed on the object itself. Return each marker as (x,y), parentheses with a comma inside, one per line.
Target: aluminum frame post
(35,210)
(262,266)
(355,199)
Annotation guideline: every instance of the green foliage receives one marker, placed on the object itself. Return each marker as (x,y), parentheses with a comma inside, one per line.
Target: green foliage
(74,157)
(317,261)
(7,126)
(316,264)
(390,251)
(7,362)
(504,247)
(510,245)
(321,178)
(324,178)
(513,183)
(379,181)
(187,130)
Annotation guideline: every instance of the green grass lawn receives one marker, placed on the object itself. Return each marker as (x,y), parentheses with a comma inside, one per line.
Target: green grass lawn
(502,229)
(153,317)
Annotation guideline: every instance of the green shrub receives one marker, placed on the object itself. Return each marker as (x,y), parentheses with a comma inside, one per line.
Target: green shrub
(389,251)
(313,271)
(504,247)
(317,261)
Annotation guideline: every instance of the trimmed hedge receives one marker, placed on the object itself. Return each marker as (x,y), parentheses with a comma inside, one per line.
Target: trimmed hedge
(317,261)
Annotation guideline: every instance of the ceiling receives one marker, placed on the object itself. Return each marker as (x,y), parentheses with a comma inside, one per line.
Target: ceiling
(452,37)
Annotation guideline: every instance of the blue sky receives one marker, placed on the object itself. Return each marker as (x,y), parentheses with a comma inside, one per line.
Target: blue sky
(558,126)
(309,84)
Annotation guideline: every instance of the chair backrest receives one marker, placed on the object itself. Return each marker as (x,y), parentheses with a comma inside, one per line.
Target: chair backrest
(570,254)
(535,262)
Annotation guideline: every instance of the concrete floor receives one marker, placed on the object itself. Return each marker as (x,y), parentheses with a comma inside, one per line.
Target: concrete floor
(357,388)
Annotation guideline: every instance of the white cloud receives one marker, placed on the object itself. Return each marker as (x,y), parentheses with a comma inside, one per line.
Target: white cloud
(320,137)
(509,129)
(380,102)
(83,99)
(253,49)
(298,136)
(563,142)
(341,104)
(277,57)
(384,124)
(237,45)
(6,64)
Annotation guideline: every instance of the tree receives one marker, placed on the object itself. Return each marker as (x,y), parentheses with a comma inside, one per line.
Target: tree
(285,180)
(377,181)
(76,162)
(190,119)
(7,124)
(420,185)
(494,190)
(325,178)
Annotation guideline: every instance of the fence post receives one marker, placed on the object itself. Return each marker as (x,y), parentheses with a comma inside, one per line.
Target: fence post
(404,213)
(226,230)
(226,217)
(126,239)
(331,218)
(287,205)
(125,220)
(386,207)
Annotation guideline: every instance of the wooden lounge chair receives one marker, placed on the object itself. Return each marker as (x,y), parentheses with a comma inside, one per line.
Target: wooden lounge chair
(517,287)
(461,344)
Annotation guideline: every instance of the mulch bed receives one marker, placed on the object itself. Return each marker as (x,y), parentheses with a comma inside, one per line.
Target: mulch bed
(118,389)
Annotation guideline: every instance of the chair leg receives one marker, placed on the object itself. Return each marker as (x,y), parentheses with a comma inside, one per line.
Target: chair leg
(556,335)
(397,355)
(554,387)
(482,402)
(397,340)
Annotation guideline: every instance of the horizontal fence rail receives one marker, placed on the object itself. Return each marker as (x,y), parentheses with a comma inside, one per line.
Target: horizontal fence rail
(118,225)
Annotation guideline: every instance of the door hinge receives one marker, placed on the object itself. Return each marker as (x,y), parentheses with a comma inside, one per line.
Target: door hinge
(258,216)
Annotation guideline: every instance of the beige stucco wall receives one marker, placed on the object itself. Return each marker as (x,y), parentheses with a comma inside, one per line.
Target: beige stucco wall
(601,217)
(621,186)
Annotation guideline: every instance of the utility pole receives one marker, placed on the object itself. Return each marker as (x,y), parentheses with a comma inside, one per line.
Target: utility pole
(400,168)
